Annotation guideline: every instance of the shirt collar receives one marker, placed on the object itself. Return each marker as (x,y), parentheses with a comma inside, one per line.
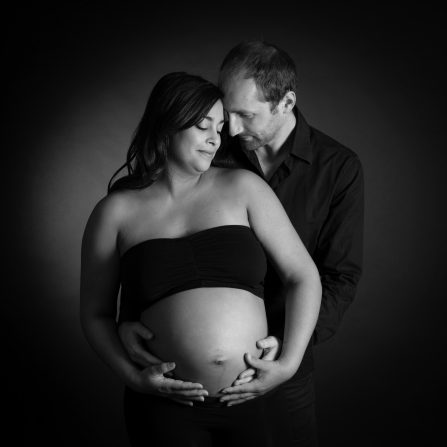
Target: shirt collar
(301,147)
(299,140)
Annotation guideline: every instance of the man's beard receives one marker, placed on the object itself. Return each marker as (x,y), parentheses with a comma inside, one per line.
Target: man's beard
(252,144)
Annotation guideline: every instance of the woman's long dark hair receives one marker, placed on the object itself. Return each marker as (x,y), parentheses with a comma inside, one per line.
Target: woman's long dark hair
(178,101)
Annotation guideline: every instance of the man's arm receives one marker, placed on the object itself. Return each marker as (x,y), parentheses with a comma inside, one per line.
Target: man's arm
(339,251)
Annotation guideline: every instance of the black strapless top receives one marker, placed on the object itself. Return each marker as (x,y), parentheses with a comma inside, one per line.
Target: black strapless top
(223,256)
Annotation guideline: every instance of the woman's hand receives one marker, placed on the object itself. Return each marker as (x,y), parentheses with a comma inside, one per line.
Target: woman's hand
(269,374)
(157,376)
(271,347)
(153,380)
(301,282)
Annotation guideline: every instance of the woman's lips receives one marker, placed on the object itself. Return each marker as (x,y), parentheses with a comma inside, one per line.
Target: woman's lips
(207,154)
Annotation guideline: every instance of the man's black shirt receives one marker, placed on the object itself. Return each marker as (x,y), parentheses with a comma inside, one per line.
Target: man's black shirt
(320,184)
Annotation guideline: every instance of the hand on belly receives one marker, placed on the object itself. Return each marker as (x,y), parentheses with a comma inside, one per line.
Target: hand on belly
(207,335)
(214,366)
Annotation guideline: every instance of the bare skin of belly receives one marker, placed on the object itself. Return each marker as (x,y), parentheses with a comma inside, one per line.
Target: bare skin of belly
(206,332)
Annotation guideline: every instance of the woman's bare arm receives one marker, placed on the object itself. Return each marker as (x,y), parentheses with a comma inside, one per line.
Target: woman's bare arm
(98,300)
(299,274)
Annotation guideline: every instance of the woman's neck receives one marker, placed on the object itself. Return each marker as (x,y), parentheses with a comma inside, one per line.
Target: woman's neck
(180,184)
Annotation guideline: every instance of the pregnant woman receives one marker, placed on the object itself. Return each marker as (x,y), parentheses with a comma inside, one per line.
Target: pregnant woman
(187,245)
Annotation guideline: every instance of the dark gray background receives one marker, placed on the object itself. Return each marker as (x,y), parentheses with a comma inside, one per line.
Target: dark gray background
(78,79)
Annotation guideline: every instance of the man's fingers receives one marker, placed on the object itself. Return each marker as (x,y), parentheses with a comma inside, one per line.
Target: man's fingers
(242,389)
(128,329)
(144,356)
(162,368)
(242,381)
(268,342)
(255,362)
(247,373)
(270,346)
(143,331)
(140,355)
(133,335)
(270,354)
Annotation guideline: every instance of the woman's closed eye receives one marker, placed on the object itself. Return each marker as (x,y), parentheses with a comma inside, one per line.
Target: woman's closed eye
(219,131)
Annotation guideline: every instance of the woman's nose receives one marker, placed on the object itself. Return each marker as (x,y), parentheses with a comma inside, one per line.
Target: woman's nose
(214,139)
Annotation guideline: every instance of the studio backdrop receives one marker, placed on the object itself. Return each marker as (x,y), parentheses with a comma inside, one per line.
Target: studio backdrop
(79,78)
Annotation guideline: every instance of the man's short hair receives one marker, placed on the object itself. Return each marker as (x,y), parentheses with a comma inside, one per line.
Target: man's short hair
(272,69)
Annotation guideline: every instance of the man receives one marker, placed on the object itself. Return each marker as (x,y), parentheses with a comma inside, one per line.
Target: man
(320,184)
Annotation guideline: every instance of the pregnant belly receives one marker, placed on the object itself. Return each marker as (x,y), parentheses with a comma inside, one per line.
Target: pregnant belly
(206,332)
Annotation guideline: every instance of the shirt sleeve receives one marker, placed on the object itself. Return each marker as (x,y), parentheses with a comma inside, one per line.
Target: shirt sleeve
(339,252)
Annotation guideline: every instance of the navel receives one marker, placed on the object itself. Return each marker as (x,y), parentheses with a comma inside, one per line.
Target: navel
(219,360)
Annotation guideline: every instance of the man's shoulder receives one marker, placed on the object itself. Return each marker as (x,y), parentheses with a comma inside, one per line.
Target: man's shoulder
(327,149)
(329,146)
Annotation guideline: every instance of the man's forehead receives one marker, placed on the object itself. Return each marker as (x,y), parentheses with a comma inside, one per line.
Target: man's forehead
(242,93)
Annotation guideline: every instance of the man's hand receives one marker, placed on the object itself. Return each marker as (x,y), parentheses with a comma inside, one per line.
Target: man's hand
(133,334)
(271,347)
(152,380)
(269,374)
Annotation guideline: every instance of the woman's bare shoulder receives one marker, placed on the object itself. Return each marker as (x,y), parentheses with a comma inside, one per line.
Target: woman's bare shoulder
(236,176)
(114,207)
(241,181)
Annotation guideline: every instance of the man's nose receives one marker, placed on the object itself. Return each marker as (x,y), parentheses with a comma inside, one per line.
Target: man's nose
(234,125)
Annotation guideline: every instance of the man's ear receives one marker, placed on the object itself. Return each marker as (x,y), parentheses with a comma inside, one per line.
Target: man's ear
(289,101)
